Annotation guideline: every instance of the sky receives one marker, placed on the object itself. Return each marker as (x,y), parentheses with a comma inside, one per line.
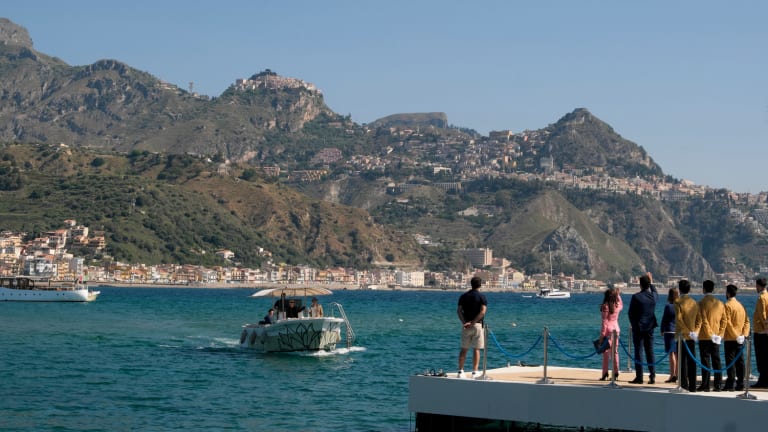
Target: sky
(686,80)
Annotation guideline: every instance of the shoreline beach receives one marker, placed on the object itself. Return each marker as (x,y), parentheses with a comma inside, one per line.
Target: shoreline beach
(332,287)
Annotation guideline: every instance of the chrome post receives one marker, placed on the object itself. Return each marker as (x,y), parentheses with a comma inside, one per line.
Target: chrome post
(614,367)
(747,371)
(680,342)
(631,358)
(545,380)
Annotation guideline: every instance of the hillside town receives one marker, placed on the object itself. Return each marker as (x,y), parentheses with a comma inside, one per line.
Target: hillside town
(49,256)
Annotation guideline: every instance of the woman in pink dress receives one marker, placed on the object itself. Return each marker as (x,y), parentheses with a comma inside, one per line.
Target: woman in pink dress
(609,311)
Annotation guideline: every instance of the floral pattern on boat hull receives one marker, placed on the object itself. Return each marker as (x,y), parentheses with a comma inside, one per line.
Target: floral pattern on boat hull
(306,336)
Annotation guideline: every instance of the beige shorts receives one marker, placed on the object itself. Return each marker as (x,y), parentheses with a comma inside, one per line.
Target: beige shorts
(473,337)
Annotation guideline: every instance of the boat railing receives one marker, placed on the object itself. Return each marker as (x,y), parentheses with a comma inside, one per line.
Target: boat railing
(350,332)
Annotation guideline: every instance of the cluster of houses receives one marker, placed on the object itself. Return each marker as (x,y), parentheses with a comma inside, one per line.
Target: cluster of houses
(49,256)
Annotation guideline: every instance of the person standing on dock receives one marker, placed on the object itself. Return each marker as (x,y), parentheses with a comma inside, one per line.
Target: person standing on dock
(471,311)
(642,318)
(736,333)
(760,326)
(710,328)
(668,333)
(686,310)
(609,313)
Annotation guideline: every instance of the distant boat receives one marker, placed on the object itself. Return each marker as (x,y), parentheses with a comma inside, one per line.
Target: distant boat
(43,289)
(553,293)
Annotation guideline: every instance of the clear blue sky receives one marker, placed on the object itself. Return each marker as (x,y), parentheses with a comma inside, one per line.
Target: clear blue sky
(687,80)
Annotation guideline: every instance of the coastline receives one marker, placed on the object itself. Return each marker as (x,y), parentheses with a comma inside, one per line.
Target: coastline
(332,287)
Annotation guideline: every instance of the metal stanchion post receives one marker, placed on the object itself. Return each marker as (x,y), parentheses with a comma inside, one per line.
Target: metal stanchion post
(747,371)
(680,342)
(614,366)
(545,380)
(631,358)
(485,376)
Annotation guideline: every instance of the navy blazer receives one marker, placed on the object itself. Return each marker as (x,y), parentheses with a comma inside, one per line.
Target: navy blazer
(642,310)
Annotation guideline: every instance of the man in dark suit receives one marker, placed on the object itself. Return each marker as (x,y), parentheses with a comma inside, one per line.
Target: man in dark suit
(642,318)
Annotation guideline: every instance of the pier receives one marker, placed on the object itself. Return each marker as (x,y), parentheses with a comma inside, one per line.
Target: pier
(552,398)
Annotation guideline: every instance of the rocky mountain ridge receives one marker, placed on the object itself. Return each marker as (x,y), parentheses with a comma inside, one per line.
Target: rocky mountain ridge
(109,109)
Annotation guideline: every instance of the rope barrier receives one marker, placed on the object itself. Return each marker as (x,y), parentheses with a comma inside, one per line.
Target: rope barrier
(511,356)
(557,345)
(658,362)
(623,347)
(714,371)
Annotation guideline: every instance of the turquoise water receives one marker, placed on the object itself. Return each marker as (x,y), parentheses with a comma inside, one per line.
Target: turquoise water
(168,359)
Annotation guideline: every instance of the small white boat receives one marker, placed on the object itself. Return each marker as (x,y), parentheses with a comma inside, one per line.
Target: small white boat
(42,289)
(553,293)
(301,332)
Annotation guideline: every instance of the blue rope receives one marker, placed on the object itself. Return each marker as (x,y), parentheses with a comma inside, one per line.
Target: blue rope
(493,336)
(557,345)
(725,369)
(624,347)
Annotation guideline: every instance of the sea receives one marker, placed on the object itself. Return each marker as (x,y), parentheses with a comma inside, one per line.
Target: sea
(168,359)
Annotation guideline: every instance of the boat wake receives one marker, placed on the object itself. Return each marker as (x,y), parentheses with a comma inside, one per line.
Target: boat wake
(322,353)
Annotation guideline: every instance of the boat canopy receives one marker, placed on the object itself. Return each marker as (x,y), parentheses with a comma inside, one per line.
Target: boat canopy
(293,292)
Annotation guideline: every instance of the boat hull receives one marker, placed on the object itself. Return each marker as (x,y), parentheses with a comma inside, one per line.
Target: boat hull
(555,296)
(293,334)
(547,293)
(48,295)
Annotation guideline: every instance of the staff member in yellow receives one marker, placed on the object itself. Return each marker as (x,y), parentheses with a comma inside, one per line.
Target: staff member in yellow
(736,332)
(760,328)
(710,328)
(686,310)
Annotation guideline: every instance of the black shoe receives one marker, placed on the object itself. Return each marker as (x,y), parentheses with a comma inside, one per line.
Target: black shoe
(616,376)
(692,390)
(703,388)
(651,380)
(636,381)
(716,389)
(604,377)
(739,387)
(672,379)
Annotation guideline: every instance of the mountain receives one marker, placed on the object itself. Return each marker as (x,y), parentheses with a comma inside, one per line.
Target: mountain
(85,142)
(580,139)
(111,106)
(414,120)
(181,209)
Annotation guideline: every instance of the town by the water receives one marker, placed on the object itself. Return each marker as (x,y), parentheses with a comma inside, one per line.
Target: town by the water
(48,256)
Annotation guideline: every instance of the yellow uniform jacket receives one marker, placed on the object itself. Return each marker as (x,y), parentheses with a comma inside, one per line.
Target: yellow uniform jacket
(711,319)
(738,322)
(686,310)
(760,316)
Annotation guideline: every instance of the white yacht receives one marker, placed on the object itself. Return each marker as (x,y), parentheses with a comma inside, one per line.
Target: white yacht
(553,293)
(43,289)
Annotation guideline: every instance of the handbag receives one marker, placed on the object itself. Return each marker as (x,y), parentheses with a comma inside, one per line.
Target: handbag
(601,348)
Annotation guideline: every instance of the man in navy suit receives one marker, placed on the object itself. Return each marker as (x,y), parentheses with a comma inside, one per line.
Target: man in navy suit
(642,318)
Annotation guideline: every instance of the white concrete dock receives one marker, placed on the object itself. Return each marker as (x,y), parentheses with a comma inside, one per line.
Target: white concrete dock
(575,398)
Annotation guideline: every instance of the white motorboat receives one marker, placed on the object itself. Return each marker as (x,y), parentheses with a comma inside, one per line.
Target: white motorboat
(553,293)
(298,331)
(42,289)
